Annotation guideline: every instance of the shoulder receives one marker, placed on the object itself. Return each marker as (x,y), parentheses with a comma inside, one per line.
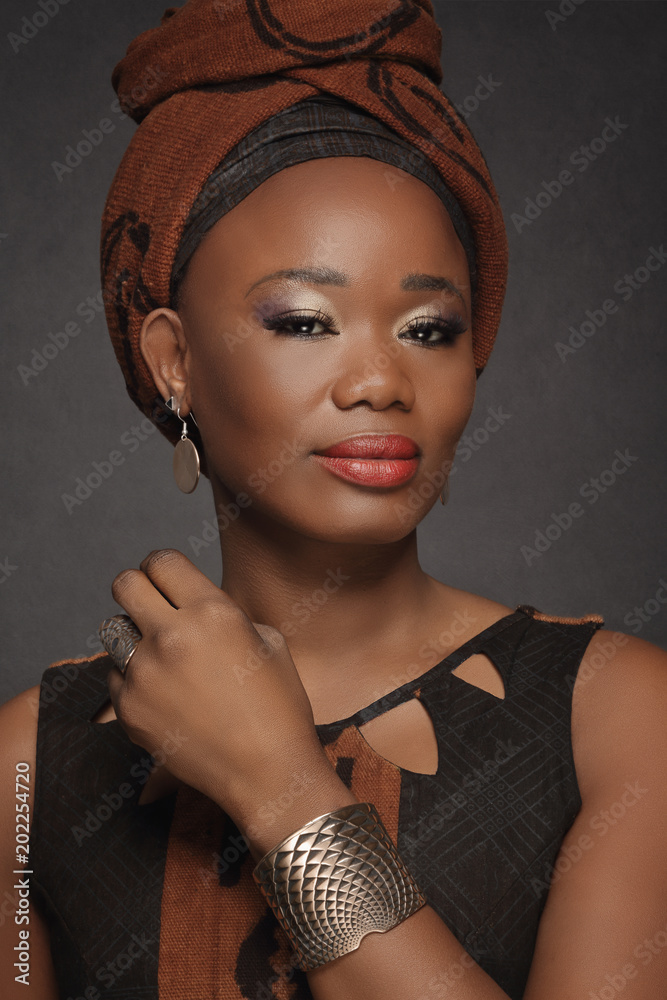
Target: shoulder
(18,743)
(18,726)
(619,712)
(609,881)
(473,610)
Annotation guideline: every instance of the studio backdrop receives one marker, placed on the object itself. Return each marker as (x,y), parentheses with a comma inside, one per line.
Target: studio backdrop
(557,492)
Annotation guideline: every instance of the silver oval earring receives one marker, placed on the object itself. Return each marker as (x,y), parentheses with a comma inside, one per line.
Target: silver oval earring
(186,456)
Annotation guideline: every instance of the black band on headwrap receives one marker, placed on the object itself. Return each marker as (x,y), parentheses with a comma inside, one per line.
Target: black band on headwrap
(314,128)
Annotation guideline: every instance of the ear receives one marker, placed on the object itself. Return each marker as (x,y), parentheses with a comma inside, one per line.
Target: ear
(164,347)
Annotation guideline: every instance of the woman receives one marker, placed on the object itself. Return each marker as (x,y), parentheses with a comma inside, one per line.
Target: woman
(315,312)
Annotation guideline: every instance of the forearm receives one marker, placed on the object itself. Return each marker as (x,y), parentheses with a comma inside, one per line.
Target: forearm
(419,959)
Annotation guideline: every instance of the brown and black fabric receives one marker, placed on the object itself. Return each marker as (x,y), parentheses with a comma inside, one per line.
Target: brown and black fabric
(215,70)
(314,128)
(156,901)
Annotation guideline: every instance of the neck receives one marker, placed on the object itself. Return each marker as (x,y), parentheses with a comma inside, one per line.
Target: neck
(339,605)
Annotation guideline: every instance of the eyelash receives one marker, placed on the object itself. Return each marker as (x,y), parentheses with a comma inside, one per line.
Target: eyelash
(450,328)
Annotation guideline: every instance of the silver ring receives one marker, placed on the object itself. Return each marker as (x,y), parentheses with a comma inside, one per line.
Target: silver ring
(120,637)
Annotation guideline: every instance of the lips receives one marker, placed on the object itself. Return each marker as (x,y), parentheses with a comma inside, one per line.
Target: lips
(372,459)
(373,446)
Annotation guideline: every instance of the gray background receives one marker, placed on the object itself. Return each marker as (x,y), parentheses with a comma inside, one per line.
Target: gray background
(554,86)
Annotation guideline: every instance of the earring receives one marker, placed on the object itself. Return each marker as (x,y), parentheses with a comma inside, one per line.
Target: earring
(445,491)
(186,456)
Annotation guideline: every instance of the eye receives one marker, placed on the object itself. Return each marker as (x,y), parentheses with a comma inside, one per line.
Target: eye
(447,330)
(301,324)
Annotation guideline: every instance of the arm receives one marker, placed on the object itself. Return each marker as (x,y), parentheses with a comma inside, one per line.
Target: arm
(413,961)
(603,932)
(604,928)
(18,726)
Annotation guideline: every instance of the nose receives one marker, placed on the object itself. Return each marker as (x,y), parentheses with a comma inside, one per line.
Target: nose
(374,373)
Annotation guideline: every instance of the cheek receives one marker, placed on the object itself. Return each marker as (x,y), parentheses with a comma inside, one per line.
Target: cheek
(251,401)
(465,401)
(451,404)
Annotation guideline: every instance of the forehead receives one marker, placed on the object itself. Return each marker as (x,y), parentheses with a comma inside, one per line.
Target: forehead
(344,180)
(337,207)
(356,216)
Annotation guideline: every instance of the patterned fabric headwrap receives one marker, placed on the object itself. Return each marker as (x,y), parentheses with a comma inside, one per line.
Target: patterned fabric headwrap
(227,92)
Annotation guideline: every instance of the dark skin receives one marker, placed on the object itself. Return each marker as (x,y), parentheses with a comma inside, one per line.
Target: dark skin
(254,394)
(255,390)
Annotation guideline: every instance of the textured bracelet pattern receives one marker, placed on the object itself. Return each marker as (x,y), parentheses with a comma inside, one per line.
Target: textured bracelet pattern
(335,880)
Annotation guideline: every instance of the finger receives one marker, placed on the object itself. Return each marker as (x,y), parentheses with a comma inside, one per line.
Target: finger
(138,597)
(115,681)
(179,579)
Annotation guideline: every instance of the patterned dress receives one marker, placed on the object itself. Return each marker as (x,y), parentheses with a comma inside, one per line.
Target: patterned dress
(157,901)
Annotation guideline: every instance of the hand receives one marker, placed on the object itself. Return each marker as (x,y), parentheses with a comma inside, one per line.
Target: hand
(220,691)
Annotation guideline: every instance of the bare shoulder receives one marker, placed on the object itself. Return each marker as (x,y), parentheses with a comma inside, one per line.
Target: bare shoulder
(471,610)
(619,711)
(18,744)
(604,920)
(18,729)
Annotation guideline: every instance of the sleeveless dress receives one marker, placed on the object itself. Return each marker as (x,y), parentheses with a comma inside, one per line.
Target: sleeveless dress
(157,901)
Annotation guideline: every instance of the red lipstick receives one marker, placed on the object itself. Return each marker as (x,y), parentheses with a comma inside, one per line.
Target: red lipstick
(372,459)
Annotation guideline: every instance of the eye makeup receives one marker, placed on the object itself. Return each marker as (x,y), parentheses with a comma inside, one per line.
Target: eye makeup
(277,315)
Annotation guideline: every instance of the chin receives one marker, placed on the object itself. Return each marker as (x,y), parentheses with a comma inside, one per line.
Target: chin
(363,530)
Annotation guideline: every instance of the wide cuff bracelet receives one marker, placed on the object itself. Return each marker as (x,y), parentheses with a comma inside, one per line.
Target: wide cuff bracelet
(335,880)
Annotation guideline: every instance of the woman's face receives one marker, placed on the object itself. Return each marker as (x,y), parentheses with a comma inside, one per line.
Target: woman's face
(332,302)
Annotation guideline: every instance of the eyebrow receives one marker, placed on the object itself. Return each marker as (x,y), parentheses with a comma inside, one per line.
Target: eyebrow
(416,282)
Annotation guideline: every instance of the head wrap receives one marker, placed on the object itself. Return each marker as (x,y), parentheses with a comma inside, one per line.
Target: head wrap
(207,84)
(315,127)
